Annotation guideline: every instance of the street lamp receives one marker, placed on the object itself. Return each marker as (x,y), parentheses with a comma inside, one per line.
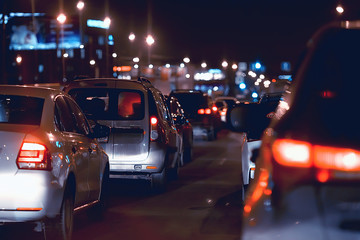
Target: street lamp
(340,9)
(132,37)
(186,60)
(203,65)
(224,64)
(80,6)
(61,20)
(107,22)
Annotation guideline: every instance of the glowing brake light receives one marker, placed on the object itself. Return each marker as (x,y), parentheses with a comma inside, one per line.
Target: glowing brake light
(343,159)
(293,153)
(154,134)
(214,108)
(153,120)
(33,156)
(207,111)
(201,111)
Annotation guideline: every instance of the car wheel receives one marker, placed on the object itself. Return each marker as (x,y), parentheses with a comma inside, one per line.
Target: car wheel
(61,227)
(97,211)
(159,181)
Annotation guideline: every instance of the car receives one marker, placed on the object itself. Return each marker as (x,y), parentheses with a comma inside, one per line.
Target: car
(200,111)
(183,126)
(251,119)
(143,143)
(223,103)
(307,174)
(51,163)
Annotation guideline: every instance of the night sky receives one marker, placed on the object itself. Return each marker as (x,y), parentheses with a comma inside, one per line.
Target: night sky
(269,31)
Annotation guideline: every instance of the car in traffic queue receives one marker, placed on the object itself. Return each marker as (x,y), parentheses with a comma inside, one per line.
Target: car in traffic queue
(51,164)
(223,103)
(183,126)
(251,118)
(144,142)
(307,179)
(200,111)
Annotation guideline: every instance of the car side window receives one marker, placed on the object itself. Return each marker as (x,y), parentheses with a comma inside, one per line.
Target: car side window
(63,118)
(161,106)
(78,117)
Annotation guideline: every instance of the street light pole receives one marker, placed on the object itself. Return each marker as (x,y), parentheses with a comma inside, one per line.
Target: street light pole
(61,20)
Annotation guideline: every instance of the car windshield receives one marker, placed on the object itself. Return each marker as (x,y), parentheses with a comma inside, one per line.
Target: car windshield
(20,109)
(328,89)
(110,104)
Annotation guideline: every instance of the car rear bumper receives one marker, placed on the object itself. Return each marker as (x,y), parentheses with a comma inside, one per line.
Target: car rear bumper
(139,167)
(29,195)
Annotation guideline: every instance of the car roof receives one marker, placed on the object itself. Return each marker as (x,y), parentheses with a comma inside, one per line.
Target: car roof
(31,91)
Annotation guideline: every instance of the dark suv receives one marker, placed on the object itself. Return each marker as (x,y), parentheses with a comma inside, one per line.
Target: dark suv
(200,111)
(143,143)
(308,171)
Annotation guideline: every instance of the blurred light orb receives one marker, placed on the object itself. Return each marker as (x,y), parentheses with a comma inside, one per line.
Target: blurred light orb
(167,65)
(182,65)
(80,5)
(151,66)
(340,9)
(114,55)
(242,86)
(187,75)
(132,37)
(224,64)
(136,59)
(203,65)
(18,59)
(186,60)
(61,18)
(150,40)
(255,95)
(234,66)
(92,62)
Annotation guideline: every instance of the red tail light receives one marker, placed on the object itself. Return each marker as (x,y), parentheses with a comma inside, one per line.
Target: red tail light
(214,108)
(292,153)
(295,153)
(154,134)
(33,156)
(201,111)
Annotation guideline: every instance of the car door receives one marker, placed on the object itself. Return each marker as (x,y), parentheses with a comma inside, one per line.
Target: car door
(76,147)
(90,148)
(174,139)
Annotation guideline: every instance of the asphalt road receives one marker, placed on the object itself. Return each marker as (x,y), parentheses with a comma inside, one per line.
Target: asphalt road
(205,203)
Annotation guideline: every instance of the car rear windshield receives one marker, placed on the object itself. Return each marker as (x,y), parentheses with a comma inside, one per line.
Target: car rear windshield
(21,109)
(110,104)
(326,100)
(191,102)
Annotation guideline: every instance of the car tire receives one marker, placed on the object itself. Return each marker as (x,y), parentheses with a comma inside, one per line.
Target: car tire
(61,227)
(97,212)
(159,181)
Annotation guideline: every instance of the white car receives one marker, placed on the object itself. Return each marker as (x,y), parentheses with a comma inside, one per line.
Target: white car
(51,164)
